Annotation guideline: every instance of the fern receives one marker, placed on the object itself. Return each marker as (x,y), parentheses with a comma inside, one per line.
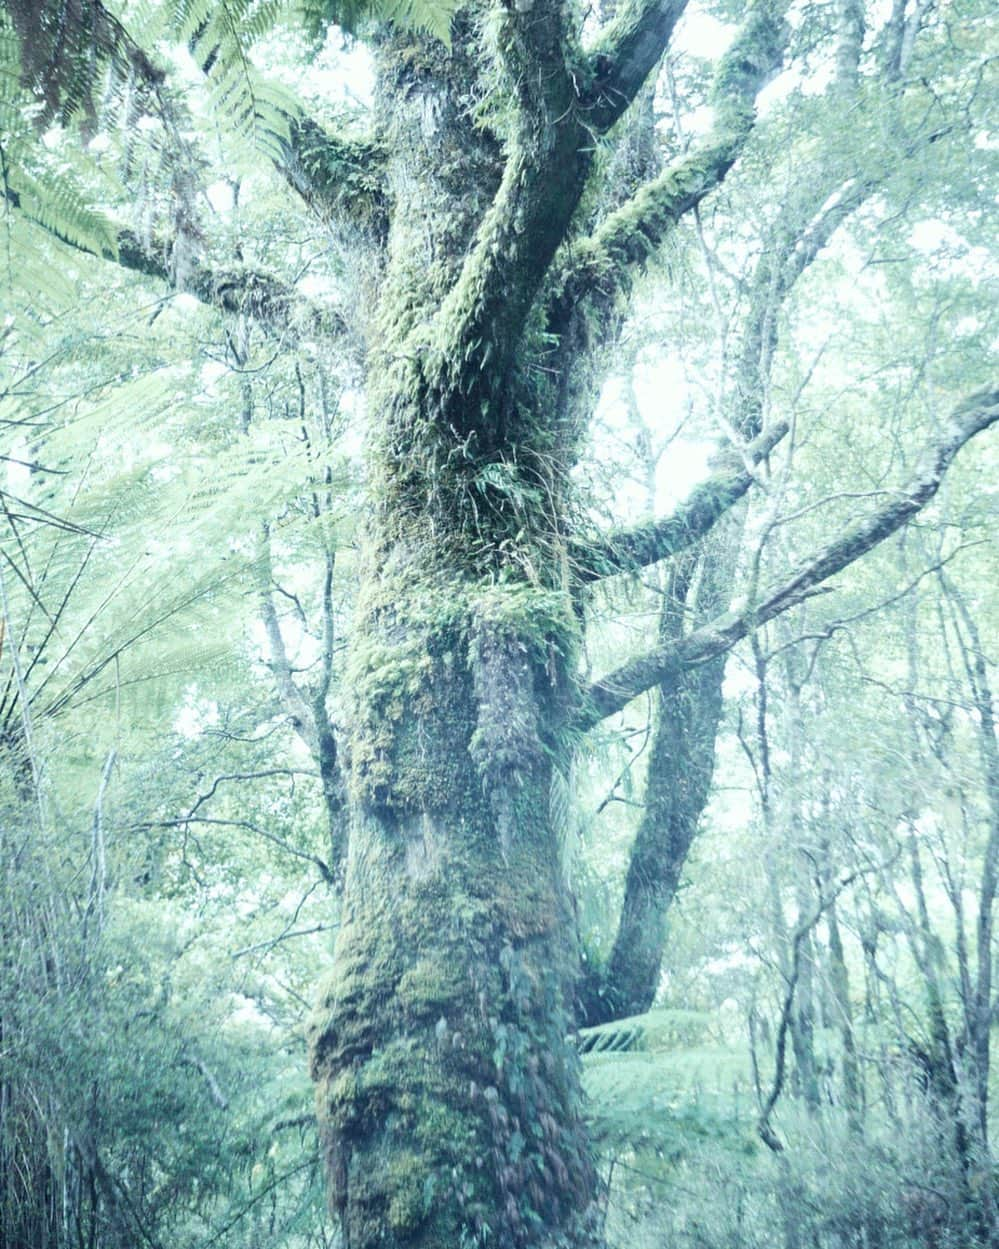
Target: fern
(432,16)
(88,65)
(220,35)
(656,1081)
(35,181)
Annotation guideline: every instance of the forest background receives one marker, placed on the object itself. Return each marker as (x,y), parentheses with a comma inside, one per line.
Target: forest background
(772,830)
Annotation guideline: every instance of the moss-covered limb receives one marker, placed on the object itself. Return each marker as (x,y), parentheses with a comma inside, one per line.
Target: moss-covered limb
(278,307)
(664,664)
(626,54)
(548,157)
(598,268)
(340,178)
(629,549)
(442,170)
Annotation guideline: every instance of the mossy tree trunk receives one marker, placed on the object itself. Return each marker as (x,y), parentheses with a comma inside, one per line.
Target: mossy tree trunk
(448,1094)
(448,1091)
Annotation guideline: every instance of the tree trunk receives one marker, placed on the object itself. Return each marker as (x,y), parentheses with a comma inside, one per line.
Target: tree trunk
(448,1093)
(681,764)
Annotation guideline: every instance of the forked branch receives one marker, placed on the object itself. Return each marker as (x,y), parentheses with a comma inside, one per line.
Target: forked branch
(602,264)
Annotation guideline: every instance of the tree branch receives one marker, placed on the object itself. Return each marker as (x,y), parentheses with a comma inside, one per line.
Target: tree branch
(338,171)
(631,549)
(296,704)
(602,263)
(664,664)
(336,176)
(275,304)
(627,53)
(214,1088)
(237,289)
(548,159)
(324,869)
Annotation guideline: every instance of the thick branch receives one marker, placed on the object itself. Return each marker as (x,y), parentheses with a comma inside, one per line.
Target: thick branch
(548,158)
(629,51)
(663,665)
(631,549)
(602,263)
(276,305)
(263,297)
(340,171)
(336,176)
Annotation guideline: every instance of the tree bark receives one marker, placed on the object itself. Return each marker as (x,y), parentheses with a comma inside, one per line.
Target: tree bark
(681,764)
(448,1093)
(447,1089)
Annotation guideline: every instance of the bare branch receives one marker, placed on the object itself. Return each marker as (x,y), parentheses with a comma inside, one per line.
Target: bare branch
(184,821)
(214,1088)
(287,935)
(663,665)
(630,549)
(245,776)
(295,702)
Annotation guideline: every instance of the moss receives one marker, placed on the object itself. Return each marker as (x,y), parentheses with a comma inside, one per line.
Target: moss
(417,655)
(538,618)
(408,1206)
(346,172)
(429,986)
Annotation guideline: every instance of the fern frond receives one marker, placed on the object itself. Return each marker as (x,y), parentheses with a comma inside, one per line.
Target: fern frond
(655,1030)
(54,199)
(33,180)
(432,16)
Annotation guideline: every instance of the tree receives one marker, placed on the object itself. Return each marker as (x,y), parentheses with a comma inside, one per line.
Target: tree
(493,248)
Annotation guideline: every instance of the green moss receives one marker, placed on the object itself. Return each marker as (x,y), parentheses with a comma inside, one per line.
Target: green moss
(428,986)
(408,1205)
(538,618)
(410,674)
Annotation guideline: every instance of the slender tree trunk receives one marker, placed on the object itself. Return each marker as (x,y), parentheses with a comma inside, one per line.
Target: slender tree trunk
(681,764)
(839,978)
(803,1013)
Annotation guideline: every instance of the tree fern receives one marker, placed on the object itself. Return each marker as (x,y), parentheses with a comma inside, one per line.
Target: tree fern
(88,64)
